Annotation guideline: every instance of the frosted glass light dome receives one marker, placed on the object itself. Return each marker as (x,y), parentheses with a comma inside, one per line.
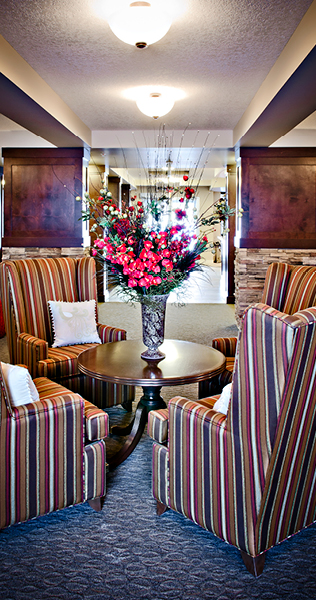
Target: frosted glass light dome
(155,104)
(140,24)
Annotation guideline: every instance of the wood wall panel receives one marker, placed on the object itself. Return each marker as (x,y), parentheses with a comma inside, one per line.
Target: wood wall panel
(278,196)
(40,209)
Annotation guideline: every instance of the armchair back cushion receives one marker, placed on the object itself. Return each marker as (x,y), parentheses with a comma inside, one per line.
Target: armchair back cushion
(289,288)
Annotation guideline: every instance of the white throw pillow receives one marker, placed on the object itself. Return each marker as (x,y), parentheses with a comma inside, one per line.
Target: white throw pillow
(221,405)
(20,385)
(73,323)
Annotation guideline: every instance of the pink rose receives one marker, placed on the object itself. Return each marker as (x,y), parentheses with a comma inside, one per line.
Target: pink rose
(148,245)
(132,282)
(167,264)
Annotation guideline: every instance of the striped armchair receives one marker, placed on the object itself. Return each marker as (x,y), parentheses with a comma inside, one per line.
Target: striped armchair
(25,287)
(248,477)
(52,453)
(287,288)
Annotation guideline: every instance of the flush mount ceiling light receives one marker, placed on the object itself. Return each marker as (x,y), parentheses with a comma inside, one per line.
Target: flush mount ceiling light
(154,100)
(140,24)
(155,105)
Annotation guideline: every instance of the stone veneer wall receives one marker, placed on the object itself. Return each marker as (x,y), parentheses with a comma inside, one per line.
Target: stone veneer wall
(250,270)
(18,253)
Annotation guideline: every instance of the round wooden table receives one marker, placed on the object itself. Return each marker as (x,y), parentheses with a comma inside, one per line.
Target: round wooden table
(120,362)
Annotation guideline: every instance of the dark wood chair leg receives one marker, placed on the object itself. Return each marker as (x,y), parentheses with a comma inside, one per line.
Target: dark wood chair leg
(97,503)
(128,405)
(254,564)
(161,508)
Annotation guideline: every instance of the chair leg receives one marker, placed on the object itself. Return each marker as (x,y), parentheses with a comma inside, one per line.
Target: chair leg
(128,405)
(254,564)
(97,503)
(161,508)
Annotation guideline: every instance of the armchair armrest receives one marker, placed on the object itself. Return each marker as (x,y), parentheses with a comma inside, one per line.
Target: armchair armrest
(96,422)
(30,350)
(225,345)
(158,421)
(56,405)
(200,410)
(110,334)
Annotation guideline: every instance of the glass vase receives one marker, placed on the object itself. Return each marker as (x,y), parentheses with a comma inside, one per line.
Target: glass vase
(153,324)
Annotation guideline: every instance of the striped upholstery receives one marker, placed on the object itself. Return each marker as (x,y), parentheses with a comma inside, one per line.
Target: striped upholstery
(249,477)
(96,421)
(225,345)
(44,465)
(301,290)
(26,286)
(94,470)
(158,425)
(276,284)
(287,288)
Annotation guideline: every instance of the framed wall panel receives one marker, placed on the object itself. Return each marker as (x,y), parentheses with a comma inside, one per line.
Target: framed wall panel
(40,208)
(278,195)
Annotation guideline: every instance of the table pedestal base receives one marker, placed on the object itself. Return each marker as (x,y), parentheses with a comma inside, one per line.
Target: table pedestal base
(151,400)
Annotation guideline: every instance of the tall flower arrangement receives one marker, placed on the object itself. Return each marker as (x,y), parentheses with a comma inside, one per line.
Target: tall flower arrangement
(145,259)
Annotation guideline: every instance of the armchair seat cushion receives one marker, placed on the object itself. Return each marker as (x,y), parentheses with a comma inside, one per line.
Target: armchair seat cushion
(62,361)
(96,420)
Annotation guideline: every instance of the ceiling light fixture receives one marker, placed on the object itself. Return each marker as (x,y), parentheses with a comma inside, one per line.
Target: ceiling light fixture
(155,105)
(140,24)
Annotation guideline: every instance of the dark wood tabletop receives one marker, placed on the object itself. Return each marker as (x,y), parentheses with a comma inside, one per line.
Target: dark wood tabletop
(120,362)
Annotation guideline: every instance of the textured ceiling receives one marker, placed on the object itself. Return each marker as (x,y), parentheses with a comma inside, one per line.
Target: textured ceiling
(218,52)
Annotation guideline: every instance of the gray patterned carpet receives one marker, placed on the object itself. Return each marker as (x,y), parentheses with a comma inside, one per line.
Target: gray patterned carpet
(127,552)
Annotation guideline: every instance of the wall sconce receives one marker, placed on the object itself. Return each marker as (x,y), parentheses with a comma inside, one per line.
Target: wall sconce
(140,24)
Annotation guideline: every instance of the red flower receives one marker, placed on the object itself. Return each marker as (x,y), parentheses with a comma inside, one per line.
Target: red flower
(148,244)
(180,213)
(185,178)
(131,208)
(132,282)
(139,203)
(167,264)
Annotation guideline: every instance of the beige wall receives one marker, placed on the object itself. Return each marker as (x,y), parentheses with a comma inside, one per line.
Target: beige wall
(206,199)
